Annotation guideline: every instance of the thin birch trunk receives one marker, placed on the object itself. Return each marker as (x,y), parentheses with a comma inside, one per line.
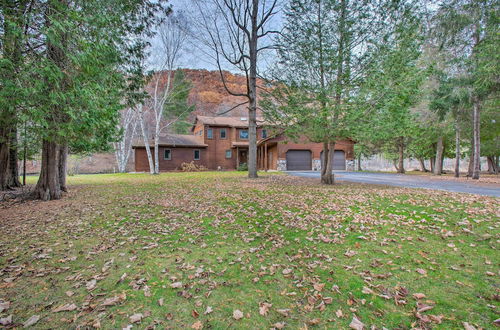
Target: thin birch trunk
(146,140)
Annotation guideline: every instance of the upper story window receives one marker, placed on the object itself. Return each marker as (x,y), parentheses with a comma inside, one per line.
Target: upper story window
(264,133)
(196,154)
(210,133)
(223,133)
(167,154)
(244,134)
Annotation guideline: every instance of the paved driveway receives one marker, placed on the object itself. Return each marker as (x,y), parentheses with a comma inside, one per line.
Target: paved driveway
(409,181)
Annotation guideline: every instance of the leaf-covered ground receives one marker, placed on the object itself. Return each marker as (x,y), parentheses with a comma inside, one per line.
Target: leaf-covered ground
(217,250)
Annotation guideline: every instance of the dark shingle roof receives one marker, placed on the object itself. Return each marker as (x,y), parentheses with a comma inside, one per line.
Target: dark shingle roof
(241,122)
(175,140)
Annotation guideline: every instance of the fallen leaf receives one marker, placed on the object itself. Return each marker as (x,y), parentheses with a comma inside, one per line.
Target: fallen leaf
(31,321)
(423,307)
(279,325)
(287,271)
(114,300)
(418,295)
(421,271)
(315,321)
(65,308)
(136,318)
(198,325)
(264,308)
(4,305)
(350,253)
(356,324)
(467,326)
(208,310)
(367,290)
(319,286)
(176,285)
(339,313)
(90,285)
(237,314)
(6,320)
(284,312)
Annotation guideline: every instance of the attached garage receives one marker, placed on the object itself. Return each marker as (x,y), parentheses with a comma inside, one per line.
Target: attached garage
(298,160)
(338,160)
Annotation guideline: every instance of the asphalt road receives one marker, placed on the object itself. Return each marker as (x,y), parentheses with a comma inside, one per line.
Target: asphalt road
(408,181)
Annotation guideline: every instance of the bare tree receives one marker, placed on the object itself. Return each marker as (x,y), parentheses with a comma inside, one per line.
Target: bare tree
(235,31)
(163,89)
(145,136)
(128,125)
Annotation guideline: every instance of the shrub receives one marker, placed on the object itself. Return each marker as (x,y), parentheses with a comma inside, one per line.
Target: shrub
(243,167)
(192,167)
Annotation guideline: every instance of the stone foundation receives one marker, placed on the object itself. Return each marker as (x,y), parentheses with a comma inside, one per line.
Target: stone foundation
(316,164)
(349,165)
(281,164)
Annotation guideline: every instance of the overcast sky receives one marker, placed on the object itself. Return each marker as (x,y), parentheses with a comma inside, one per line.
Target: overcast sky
(197,57)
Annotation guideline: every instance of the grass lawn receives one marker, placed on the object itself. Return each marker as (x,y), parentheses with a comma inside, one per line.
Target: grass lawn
(217,250)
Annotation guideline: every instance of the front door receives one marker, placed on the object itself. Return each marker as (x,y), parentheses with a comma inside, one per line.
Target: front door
(243,156)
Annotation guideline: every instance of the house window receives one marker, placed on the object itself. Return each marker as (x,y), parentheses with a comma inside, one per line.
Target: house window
(167,155)
(229,153)
(263,133)
(210,133)
(222,133)
(200,132)
(196,154)
(244,134)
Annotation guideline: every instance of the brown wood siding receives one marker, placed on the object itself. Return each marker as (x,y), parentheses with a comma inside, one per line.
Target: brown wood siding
(178,156)
(346,145)
(273,157)
(217,147)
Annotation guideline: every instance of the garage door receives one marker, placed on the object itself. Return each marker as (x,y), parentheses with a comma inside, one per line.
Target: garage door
(298,160)
(338,160)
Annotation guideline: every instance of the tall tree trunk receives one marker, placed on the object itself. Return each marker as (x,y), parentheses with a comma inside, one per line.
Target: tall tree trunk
(401,156)
(13,24)
(438,167)
(477,139)
(146,140)
(4,163)
(328,177)
(395,164)
(359,163)
(457,150)
(492,166)
(252,93)
(13,160)
(156,156)
(48,186)
(323,160)
(471,158)
(422,165)
(62,166)
(431,161)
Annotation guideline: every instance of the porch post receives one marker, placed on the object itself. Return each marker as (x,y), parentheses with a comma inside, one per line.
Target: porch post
(266,165)
(237,157)
(262,157)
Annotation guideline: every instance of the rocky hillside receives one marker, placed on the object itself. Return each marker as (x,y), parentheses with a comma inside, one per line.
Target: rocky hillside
(209,95)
